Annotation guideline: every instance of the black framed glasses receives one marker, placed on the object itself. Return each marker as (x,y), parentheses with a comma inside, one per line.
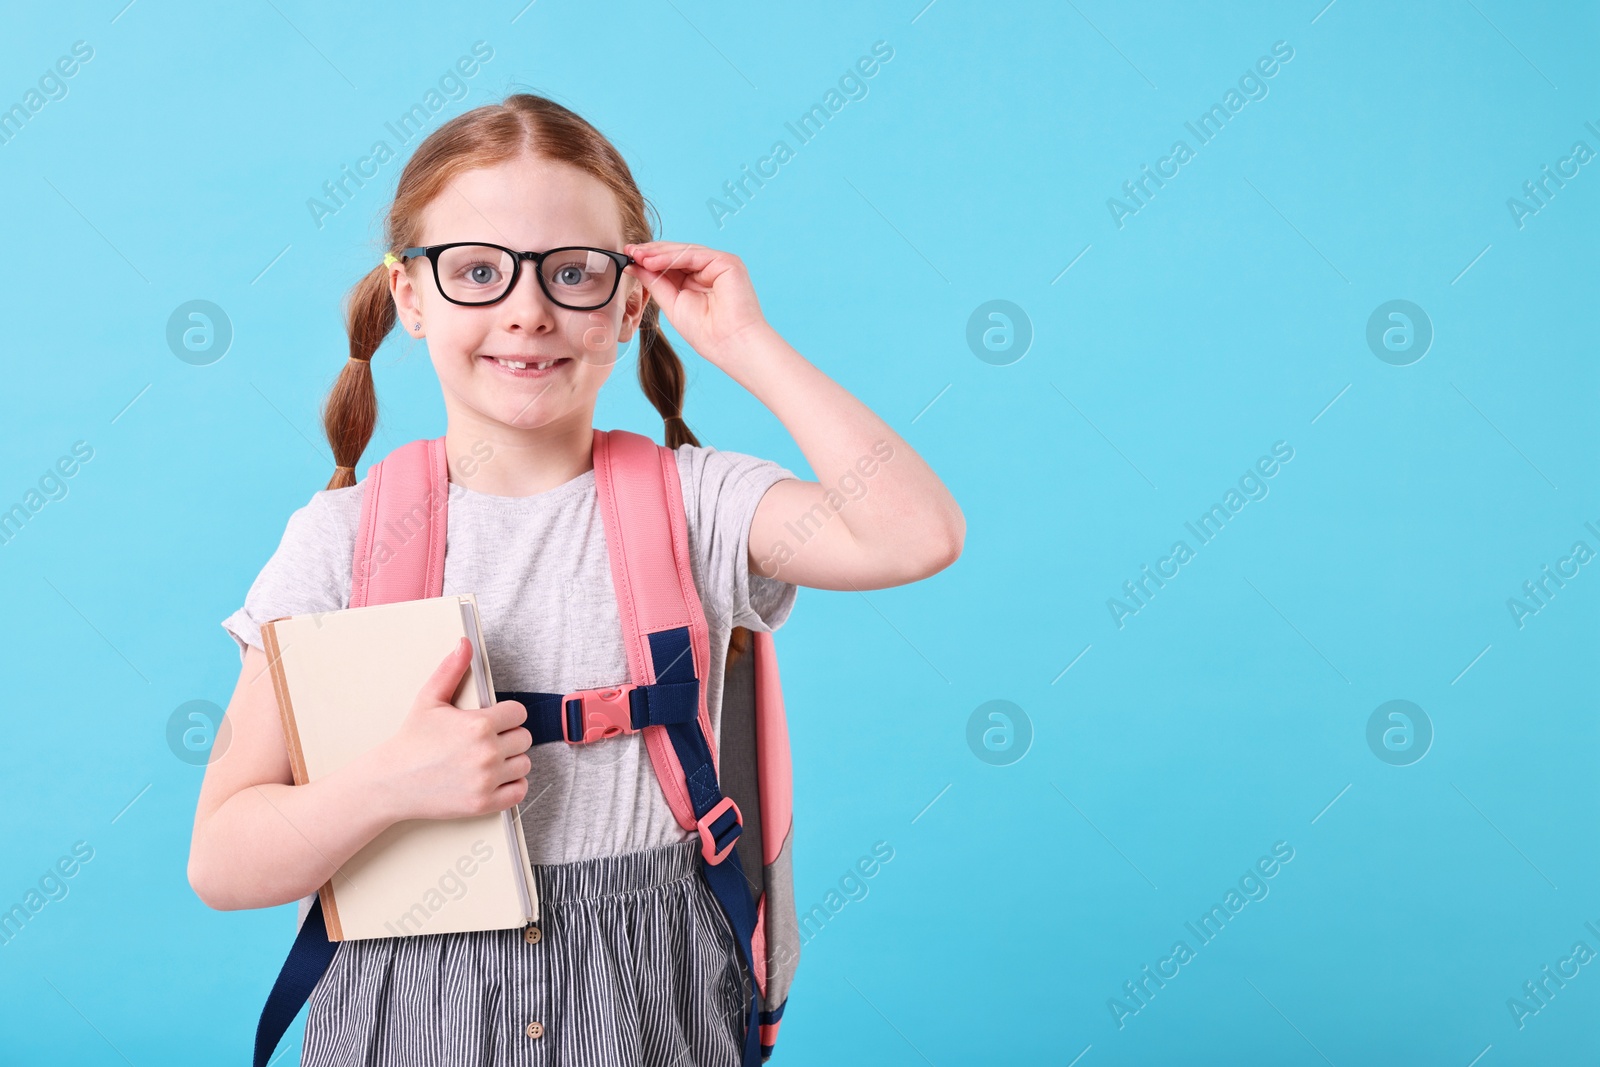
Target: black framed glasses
(475,273)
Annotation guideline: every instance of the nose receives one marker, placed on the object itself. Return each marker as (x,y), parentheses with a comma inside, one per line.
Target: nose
(526,307)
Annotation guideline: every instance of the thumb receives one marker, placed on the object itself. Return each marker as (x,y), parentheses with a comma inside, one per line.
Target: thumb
(441,684)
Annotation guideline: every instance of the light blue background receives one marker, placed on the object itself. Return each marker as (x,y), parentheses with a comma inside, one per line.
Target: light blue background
(1229,313)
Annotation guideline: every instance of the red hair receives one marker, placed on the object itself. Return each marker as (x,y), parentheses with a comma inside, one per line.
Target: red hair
(484,137)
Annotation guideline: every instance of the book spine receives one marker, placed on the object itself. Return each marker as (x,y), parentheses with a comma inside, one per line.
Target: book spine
(519,856)
(280,689)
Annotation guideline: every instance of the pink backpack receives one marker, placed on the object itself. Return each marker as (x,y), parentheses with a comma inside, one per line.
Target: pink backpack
(737,798)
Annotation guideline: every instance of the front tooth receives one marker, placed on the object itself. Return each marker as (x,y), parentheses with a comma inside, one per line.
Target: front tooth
(509,363)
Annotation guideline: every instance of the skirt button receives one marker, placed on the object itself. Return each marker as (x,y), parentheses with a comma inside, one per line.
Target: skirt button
(535,1029)
(532,935)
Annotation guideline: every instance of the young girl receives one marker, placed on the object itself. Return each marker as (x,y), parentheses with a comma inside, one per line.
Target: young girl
(636,962)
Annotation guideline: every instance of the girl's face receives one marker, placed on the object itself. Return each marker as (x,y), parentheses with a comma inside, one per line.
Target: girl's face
(525,204)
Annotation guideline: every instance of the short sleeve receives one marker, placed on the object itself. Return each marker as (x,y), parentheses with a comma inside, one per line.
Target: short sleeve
(720,492)
(310,571)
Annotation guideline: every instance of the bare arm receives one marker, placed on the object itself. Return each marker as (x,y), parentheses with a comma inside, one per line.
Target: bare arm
(259,840)
(876,516)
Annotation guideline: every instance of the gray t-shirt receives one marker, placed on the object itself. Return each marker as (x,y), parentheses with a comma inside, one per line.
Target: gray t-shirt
(539,568)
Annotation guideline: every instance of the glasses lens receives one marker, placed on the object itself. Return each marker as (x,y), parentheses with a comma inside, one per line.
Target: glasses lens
(579,277)
(474,273)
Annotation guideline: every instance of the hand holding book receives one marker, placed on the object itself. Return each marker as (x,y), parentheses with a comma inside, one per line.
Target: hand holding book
(447,762)
(365,687)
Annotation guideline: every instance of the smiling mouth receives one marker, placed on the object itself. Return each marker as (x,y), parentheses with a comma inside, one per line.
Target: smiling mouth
(527,369)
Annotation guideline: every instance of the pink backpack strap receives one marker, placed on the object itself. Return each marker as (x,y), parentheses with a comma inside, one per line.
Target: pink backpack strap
(641,505)
(664,630)
(775,771)
(399,553)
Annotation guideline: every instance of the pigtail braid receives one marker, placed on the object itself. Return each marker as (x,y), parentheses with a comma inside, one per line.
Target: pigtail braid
(662,377)
(350,412)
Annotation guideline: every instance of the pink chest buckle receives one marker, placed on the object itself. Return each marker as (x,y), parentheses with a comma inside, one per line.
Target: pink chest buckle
(603,713)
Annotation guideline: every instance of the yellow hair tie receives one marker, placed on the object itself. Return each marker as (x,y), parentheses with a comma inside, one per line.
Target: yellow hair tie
(389,259)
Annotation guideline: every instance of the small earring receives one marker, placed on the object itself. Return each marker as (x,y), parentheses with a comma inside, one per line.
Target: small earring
(416,325)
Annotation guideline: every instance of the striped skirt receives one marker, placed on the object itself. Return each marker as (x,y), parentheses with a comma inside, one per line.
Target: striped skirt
(634,965)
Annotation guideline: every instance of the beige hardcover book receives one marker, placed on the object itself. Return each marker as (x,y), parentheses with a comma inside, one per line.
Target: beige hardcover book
(345,681)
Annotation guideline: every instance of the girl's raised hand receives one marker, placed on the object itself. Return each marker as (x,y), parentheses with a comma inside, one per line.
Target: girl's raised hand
(706,294)
(447,762)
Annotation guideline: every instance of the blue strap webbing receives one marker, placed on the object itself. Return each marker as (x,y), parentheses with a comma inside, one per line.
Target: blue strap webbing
(648,705)
(771,1017)
(727,879)
(308,960)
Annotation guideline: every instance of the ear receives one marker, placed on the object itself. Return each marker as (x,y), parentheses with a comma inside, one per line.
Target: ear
(407,300)
(633,309)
